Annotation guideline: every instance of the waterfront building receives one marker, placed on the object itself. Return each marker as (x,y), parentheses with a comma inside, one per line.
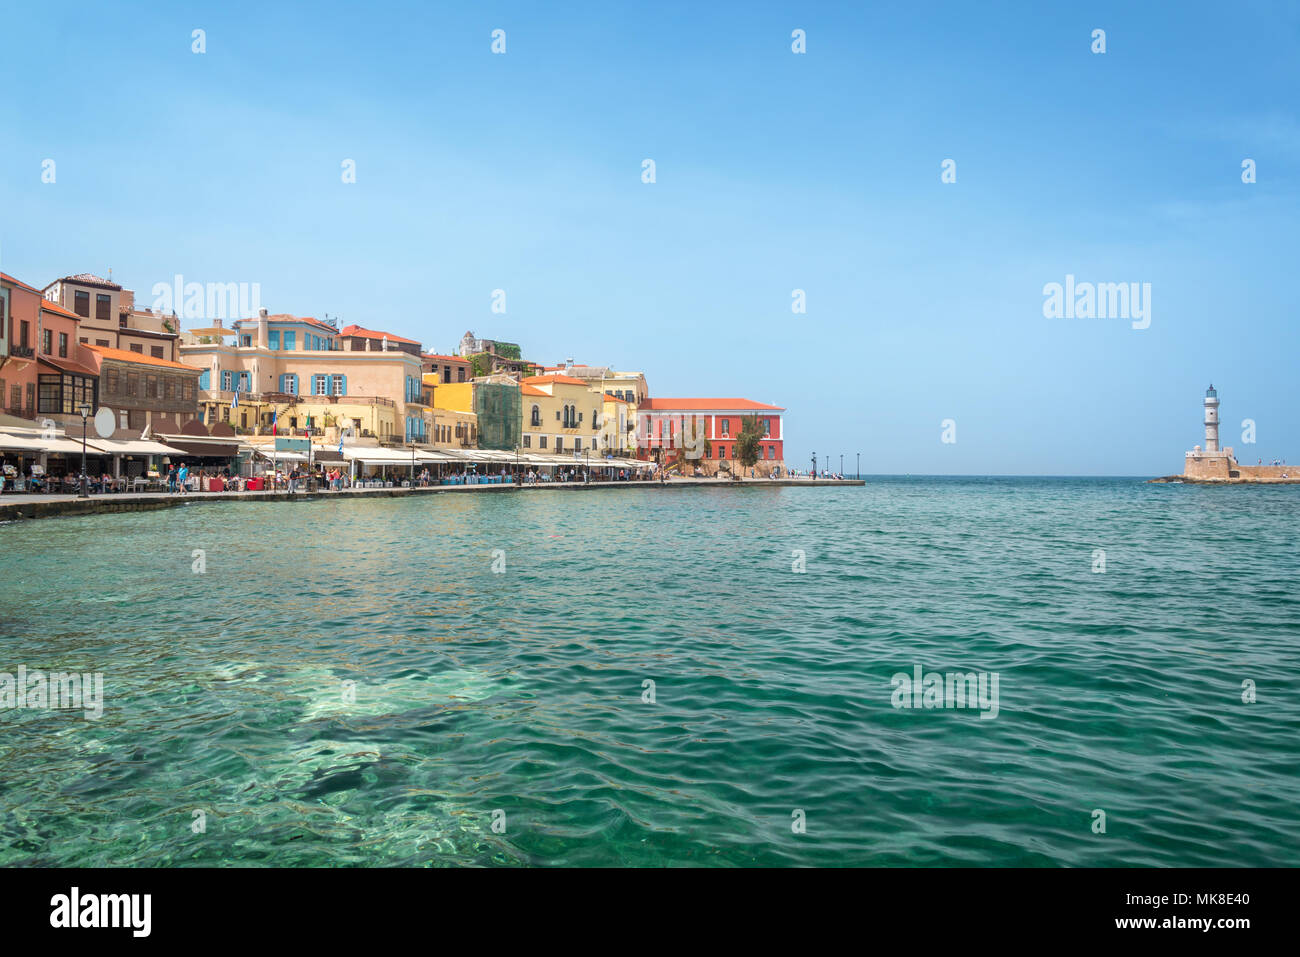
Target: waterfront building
(660,422)
(561,415)
(143,390)
(299,370)
(20,311)
(108,317)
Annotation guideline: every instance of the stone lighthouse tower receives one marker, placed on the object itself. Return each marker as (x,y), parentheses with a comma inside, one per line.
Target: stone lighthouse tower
(1211,419)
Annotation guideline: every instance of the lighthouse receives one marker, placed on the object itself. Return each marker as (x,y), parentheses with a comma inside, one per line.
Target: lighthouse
(1211,419)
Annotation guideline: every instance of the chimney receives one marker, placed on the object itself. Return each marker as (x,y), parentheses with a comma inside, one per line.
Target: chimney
(263,330)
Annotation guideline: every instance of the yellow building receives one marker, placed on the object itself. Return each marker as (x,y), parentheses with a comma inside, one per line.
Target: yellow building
(451,404)
(562,415)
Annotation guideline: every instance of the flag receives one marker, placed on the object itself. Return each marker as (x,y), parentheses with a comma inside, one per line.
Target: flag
(234,403)
(274,416)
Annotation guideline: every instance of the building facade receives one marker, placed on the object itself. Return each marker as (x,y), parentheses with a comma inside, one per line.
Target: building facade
(707,429)
(290,368)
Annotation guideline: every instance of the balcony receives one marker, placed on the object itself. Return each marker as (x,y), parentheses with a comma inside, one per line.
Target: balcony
(22,352)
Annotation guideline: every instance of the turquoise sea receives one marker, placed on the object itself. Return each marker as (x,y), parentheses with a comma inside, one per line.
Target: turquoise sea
(519,697)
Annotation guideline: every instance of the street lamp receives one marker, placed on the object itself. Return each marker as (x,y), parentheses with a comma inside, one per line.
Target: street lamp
(857,474)
(841,463)
(84,409)
(814,468)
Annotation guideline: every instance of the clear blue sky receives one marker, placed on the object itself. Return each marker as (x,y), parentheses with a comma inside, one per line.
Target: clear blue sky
(775,171)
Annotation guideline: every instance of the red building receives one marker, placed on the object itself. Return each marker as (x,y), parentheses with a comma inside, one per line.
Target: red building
(667,425)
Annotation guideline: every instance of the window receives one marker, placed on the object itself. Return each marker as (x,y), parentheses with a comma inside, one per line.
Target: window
(187,390)
(318,385)
(102,342)
(536,419)
(111,380)
(132,384)
(726,428)
(84,341)
(245,382)
(102,303)
(273,339)
(767,428)
(291,340)
(156,351)
(22,332)
(722,451)
(81,303)
(541,441)
(446,373)
(338,385)
(577,445)
(559,443)
(151,387)
(31,397)
(227,380)
(527,441)
(460,374)
(47,341)
(137,347)
(63,345)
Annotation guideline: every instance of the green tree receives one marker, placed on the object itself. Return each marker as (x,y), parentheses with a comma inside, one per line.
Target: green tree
(748,449)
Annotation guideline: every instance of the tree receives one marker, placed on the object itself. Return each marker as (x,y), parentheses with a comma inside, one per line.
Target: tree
(748,449)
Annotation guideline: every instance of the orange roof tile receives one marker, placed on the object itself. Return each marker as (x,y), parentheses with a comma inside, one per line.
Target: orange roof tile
(434,355)
(371,334)
(67,365)
(18,282)
(614,398)
(708,405)
(533,390)
(55,308)
(121,355)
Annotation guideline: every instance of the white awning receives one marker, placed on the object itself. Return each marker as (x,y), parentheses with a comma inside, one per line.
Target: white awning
(28,442)
(136,447)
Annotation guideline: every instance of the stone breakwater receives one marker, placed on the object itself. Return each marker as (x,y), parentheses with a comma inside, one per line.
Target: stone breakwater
(20,507)
(1244,480)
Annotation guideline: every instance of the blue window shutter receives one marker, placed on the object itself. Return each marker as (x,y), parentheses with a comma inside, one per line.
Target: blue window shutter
(345,386)
(283,384)
(203,379)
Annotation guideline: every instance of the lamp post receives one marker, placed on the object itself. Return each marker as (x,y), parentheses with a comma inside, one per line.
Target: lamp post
(857,474)
(841,463)
(814,468)
(84,409)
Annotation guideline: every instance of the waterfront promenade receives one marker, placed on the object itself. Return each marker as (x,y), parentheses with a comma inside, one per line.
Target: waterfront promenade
(16,507)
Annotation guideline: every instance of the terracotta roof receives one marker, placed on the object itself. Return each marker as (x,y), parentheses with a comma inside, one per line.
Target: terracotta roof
(67,365)
(122,355)
(54,307)
(371,334)
(708,405)
(18,282)
(88,279)
(614,398)
(533,390)
(562,379)
(434,355)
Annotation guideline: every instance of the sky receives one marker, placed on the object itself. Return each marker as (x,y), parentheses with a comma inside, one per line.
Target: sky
(775,171)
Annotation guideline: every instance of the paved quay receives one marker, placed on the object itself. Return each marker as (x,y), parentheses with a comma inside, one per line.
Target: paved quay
(19,506)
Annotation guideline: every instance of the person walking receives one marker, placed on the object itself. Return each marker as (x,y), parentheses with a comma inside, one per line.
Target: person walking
(182,477)
(171,479)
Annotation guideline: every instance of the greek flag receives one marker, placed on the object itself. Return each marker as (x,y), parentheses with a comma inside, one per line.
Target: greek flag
(234,403)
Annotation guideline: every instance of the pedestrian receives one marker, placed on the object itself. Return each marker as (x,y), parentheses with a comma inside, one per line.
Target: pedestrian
(182,477)
(171,479)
